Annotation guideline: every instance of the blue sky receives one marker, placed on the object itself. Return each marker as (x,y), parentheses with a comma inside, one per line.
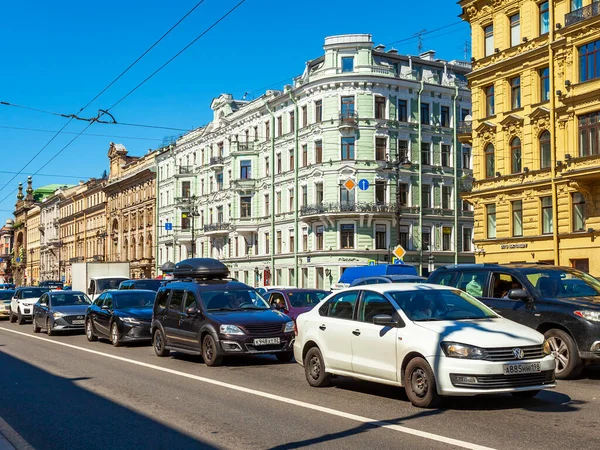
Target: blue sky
(57,56)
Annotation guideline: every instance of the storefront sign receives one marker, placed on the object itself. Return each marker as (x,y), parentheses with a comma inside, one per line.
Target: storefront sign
(508,246)
(348,259)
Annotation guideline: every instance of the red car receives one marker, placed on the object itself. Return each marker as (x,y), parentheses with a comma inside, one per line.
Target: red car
(295,301)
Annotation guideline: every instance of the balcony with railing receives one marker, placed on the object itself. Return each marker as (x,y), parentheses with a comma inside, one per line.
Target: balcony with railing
(348,120)
(243,146)
(213,229)
(581,14)
(347,208)
(465,131)
(184,171)
(216,161)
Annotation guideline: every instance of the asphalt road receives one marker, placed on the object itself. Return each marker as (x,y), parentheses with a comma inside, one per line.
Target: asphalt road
(65,392)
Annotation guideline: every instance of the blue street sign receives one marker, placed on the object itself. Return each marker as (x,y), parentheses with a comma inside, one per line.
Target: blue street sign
(363,184)
(63,278)
(18,259)
(168,226)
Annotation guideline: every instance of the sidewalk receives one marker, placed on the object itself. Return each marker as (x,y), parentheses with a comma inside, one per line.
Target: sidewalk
(7,432)
(4,444)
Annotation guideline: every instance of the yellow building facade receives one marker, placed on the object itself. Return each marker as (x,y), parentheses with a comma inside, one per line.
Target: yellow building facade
(535,131)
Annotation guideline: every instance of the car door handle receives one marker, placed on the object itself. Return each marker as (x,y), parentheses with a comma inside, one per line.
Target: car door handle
(356,332)
(322,327)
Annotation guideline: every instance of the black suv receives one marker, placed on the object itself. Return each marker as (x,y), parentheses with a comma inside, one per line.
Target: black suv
(202,312)
(560,302)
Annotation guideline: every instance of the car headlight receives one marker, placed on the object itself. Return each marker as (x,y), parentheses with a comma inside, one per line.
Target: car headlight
(455,350)
(592,316)
(546,347)
(129,320)
(289,327)
(231,329)
(58,315)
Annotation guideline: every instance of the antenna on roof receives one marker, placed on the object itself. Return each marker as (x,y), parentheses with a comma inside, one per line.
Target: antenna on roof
(419,36)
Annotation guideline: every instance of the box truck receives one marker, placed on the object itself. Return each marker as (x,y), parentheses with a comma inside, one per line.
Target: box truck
(94,278)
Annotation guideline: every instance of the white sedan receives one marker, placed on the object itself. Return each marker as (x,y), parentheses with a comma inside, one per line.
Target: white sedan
(432,340)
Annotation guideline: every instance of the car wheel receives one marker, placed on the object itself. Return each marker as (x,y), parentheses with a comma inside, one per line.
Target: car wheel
(419,382)
(209,351)
(566,354)
(12,318)
(159,344)
(525,394)
(36,329)
(49,328)
(115,337)
(314,368)
(89,331)
(20,318)
(285,356)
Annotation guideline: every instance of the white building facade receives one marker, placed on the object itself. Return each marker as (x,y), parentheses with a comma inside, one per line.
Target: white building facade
(271,186)
(50,238)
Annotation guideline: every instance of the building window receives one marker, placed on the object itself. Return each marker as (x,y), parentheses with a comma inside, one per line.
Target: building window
(347,236)
(318,111)
(515,30)
(576,4)
(380,237)
(318,152)
(402,111)
(515,92)
(589,133)
(544,18)
(426,196)
(589,61)
(304,116)
(305,241)
(245,206)
(517,218)
(547,226)
(489,40)
(490,211)
(304,155)
(545,157)
(291,197)
(578,211)
(446,155)
(426,153)
(426,238)
(515,155)
(292,121)
(304,195)
(319,193)
(379,107)
(380,149)
(347,108)
(319,237)
(446,239)
(347,64)
(346,197)
(185,222)
(292,241)
(425,113)
(380,192)
(267,130)
(445,117)
(403,236)
(347,148)
(267,205)
(278,163)
(278,203)
(490,170)
(466,157)
(279,126)
(467,237)
(446,197)
(544,84)
(403,194)
(402,150)
(278,241)
(267,244)
(292,167)
(245,169)
(490,106)
(219,180)
(185,189)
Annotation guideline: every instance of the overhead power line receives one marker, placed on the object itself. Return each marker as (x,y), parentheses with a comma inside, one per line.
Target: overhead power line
(425,33)
(54,175)
(98,95)
(85,134)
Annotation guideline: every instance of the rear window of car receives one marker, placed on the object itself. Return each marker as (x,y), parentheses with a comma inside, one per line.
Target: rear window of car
(33,292)
(6,295)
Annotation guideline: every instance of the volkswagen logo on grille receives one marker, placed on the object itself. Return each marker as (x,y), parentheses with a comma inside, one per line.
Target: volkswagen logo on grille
(519,354)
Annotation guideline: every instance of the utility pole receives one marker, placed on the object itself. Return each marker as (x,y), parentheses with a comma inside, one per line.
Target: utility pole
(419,35)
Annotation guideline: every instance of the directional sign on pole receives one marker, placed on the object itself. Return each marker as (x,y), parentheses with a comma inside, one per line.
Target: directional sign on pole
(399,252)
(349,184)
(363,184)
(168,226)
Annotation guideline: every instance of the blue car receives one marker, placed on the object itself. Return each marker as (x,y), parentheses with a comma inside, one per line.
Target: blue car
(60,311)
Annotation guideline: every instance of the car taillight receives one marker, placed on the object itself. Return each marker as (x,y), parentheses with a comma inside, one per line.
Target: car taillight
(295,328)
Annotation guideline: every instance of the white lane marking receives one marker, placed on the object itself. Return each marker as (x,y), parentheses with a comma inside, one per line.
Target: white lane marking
(278,398)
(10,439)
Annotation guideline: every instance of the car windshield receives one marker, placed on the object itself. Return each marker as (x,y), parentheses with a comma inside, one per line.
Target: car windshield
(33,292)
(105,284)
(70,299)
(233,300)
(6,295)
(302,299)
(440,304)
(130,299)
(563,283)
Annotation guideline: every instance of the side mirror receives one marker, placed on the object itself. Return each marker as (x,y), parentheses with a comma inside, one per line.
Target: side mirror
(518,294)
(191,311)
(384,320)
(105,307)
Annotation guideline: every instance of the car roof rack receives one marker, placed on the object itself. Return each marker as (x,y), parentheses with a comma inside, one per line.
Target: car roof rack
(200,269)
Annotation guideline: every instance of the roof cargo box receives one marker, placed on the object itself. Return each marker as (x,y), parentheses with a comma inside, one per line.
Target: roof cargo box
(207,268)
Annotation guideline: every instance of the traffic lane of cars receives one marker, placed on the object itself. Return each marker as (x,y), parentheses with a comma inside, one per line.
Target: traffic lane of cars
(547,420)
(226,417)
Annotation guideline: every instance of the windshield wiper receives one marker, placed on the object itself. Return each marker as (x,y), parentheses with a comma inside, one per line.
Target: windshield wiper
(221,309)
(254,307)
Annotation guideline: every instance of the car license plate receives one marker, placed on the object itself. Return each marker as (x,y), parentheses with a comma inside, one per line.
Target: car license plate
(266,341)
(78,322)
(514,369)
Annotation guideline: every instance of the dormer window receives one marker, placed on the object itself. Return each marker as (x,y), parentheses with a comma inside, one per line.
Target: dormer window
(348,64)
